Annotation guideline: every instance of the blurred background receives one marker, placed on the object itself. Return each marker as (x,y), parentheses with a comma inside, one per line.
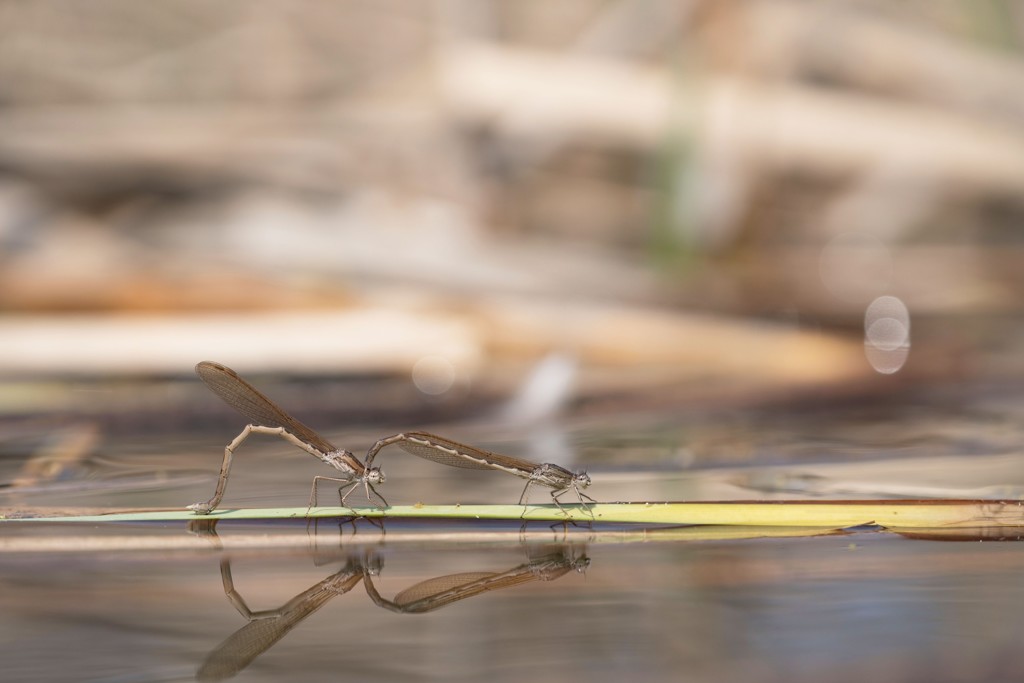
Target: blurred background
(684,223)
(704,249)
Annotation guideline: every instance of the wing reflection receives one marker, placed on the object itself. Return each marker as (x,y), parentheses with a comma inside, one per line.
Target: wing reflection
(432,594)
(266,627)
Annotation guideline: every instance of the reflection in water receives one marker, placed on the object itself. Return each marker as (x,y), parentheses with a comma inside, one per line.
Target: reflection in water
(427,596)
(266,627)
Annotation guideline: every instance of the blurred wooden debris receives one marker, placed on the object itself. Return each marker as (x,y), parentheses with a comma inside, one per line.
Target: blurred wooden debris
(360,341)
(66,449)
(770,127)
(483,347)
(881,55)
(490,151)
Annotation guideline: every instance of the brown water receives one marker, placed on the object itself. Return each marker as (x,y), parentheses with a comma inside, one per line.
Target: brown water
(828,608)
(464,601)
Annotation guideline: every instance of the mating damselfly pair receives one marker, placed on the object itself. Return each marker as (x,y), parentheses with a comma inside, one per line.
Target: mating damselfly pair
(266,417)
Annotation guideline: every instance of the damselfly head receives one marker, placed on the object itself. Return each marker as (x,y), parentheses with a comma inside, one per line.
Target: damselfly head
(580,564)
(581,479)
(373,564)
(374,476)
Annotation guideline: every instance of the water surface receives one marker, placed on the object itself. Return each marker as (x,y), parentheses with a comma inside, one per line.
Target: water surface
(464,601)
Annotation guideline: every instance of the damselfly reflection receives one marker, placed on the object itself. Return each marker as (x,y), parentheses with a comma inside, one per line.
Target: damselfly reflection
(427,596)
(267,627)
(447,452)
(266,417)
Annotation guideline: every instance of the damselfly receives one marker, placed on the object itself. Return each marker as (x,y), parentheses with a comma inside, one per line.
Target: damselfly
(266,417)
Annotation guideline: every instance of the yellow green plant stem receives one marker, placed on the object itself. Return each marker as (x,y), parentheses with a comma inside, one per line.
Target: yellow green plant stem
(832,514)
